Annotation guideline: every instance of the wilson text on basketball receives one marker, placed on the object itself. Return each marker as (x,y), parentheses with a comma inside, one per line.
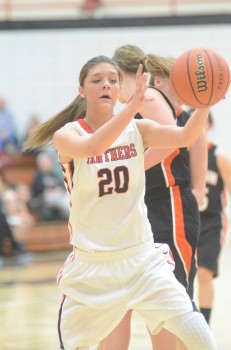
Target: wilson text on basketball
(200,74)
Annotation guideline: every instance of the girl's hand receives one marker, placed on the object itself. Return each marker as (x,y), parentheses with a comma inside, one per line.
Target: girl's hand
(139,97)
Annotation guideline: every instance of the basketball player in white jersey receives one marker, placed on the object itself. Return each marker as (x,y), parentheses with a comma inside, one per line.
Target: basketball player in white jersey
(115,265)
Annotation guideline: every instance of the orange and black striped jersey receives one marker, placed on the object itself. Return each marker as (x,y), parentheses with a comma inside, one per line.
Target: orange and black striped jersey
(173,170)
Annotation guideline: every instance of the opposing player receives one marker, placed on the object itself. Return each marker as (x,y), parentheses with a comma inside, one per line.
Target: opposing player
(115,265)
(213,222)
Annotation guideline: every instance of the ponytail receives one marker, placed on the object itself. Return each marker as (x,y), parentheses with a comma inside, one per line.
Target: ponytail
(159,66)
(41,135)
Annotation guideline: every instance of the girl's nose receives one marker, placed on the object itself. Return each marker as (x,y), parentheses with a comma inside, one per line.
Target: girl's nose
(106,83)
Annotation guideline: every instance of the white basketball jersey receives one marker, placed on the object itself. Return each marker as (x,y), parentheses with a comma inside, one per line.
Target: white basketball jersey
(107,209)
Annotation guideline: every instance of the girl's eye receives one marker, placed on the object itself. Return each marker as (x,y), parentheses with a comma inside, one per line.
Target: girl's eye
(112,81)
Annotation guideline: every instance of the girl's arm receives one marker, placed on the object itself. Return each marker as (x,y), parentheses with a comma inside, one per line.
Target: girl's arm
(198,158)
(168,136)
(154,156)
(70,144)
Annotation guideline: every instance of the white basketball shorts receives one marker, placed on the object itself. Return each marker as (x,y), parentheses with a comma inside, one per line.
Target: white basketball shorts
(99,288)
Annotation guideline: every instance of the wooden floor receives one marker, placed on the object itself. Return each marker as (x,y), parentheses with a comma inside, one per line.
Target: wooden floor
(29,302)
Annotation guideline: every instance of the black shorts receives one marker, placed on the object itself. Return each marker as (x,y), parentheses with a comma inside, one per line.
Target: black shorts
(175,220)
(209,245)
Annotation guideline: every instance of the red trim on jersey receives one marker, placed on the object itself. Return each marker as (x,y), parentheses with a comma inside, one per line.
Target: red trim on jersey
(84,126)
(70,228)
(210,144)
(179,112)
(68,176)
(69,259)
(167,165)
(181,241)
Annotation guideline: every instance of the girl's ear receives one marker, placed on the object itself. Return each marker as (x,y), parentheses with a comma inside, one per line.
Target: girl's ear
(81,91)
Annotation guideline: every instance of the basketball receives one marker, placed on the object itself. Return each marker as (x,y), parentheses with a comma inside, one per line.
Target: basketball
(200,78)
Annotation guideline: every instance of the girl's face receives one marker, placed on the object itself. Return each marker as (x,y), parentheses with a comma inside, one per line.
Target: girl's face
(101,86)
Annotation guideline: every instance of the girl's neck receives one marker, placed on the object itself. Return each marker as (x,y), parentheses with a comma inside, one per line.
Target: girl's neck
(95,121)
(129,84)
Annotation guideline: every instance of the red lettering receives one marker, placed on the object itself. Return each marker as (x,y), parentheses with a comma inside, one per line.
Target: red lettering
(133,152)
(99,159)
(120,152)
(91,160)
(127,152)
(106,156)
(113,154)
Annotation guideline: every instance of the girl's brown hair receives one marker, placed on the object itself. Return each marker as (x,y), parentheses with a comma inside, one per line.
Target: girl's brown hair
(42,134)
(128,58)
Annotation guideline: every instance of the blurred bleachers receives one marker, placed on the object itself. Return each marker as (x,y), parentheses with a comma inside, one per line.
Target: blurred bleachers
(51,9)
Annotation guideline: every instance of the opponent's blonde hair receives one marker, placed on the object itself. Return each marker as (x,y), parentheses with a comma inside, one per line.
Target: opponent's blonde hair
(128,58)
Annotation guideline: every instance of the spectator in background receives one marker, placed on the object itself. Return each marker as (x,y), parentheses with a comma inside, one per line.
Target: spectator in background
(15,200)
(7,237)
(49,197)
(8,136)
(10,244)
(213,222)
(33,121)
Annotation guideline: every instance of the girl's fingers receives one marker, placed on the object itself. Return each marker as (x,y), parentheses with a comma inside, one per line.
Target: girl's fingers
(141,77)
(144,80)
(139,71)
(141,87)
